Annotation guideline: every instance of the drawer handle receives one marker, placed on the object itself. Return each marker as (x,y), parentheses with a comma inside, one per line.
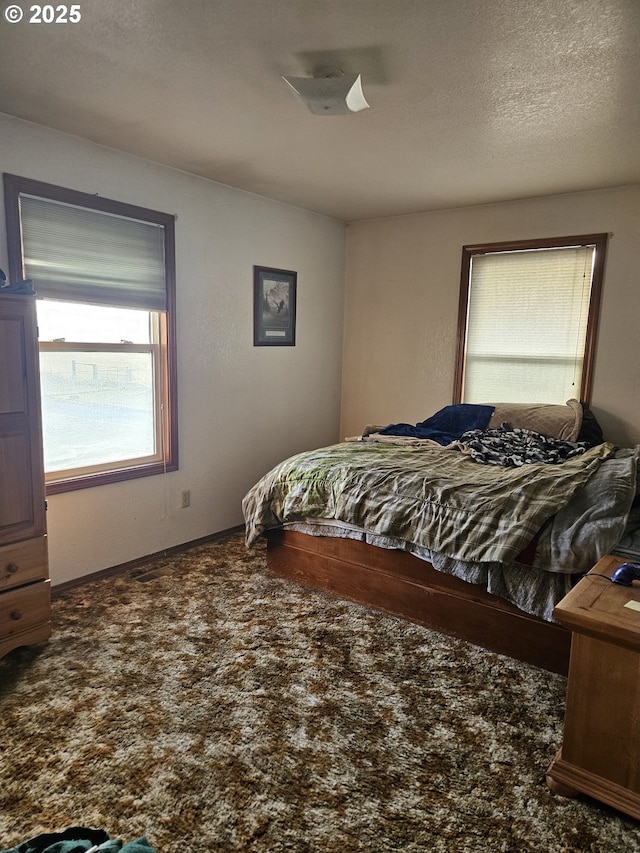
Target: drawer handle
(12,568)
(16,615)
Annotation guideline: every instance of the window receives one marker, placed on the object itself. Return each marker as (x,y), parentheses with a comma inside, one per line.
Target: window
(527,320)
(105,282)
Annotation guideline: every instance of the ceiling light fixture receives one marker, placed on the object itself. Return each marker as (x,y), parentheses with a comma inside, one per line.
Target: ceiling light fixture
(332,93)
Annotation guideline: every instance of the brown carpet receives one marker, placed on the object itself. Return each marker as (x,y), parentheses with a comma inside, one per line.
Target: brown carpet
(216,708)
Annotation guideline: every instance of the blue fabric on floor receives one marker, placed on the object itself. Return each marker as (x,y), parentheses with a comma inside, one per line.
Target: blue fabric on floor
(79,839)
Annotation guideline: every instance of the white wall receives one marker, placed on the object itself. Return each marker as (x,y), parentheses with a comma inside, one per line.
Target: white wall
(241,408)
(403,281)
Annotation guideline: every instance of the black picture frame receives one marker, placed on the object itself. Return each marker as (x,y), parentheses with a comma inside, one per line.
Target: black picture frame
(274,307)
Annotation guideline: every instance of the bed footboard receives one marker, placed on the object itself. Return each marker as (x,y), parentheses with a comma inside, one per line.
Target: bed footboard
(403,585)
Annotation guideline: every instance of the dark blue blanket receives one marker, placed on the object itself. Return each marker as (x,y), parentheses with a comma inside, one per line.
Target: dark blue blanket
(447,425)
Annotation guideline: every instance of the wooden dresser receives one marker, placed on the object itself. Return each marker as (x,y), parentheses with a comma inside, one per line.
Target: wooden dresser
(25,602)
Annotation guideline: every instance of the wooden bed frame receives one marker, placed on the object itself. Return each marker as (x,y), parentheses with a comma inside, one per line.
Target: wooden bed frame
(401,584)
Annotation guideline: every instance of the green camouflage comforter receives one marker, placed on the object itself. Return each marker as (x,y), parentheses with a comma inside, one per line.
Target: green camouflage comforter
(437,499)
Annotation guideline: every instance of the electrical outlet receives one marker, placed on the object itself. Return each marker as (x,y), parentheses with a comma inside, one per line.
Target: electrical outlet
(186,498)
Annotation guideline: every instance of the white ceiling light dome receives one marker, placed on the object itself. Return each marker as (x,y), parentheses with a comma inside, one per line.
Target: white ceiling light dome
(330,93)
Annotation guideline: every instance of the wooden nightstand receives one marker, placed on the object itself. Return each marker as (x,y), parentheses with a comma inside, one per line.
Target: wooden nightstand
(600,754)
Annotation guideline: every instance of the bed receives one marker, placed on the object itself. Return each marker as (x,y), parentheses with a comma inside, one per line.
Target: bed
(475,522)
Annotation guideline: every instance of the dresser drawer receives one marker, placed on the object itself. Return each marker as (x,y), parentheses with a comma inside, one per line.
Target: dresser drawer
(24,609)
(23,562)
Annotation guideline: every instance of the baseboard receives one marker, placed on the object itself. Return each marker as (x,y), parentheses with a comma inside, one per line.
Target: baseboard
(121,568)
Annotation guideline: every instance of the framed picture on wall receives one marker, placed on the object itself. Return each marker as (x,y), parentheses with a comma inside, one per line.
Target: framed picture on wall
(274,307)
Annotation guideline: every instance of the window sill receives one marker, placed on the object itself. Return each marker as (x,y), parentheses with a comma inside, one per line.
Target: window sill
(103,478)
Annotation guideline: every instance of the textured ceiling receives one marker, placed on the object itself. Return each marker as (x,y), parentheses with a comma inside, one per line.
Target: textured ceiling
(472,101)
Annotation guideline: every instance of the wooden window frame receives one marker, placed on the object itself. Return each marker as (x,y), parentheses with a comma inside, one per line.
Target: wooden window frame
(14,186)
(468,252)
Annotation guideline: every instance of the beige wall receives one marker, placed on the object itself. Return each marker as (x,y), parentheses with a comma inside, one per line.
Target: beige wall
(241,408)
(403,279)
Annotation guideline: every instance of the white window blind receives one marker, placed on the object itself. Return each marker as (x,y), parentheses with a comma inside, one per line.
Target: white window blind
(84,255)
(527,324)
